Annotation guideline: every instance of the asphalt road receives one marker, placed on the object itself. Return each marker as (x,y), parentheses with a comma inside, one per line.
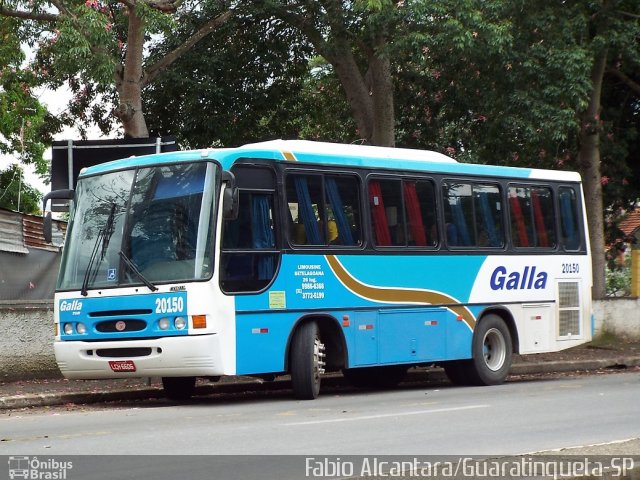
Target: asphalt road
(514,418)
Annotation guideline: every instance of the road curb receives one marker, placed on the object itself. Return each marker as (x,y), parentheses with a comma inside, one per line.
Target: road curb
(282,383)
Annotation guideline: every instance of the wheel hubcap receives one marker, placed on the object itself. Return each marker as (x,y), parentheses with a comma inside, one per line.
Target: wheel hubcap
(494,349)
(318,358)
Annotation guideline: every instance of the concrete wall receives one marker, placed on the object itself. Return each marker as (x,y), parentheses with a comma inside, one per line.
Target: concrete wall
(26,342)
(620,316)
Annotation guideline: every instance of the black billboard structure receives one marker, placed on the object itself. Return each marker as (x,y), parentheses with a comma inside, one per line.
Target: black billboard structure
(71,156)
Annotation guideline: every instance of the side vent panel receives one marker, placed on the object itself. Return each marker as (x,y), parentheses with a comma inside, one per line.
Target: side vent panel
(569,308)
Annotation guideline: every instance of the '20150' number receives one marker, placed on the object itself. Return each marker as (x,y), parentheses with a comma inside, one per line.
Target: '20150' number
(169,304)
(570,268)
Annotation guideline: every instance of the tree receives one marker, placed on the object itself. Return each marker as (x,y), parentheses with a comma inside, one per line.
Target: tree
(15,194)
(245,84)
(98,48)
(521,83)
(354,37)
(25,125)
(614,29)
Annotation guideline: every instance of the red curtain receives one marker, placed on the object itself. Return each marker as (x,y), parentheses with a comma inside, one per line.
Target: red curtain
(519,220)
(415,216)
(378,215)
(541,230)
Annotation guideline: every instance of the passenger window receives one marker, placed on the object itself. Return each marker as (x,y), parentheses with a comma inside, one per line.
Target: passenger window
(324,210)
(403,213)
(473,215)
(387,213)
(420,205)
(532,217)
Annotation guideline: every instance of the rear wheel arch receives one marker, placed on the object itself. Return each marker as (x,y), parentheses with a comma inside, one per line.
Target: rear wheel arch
(508,319)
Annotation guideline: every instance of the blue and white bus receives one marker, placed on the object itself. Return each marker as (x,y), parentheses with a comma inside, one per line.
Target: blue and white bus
(300,258)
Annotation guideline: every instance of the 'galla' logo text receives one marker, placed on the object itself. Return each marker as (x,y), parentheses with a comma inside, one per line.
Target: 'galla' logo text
(74,306)
(527,279)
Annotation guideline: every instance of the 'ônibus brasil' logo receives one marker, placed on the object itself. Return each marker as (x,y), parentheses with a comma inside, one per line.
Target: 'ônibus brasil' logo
(74,306)
(529,278)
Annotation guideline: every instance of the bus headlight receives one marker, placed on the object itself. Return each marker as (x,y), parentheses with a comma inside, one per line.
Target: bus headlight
(68,329)
(163,323)
(81,328)
(180,323)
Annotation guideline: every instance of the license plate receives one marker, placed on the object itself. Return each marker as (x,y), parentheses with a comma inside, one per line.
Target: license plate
(122,366)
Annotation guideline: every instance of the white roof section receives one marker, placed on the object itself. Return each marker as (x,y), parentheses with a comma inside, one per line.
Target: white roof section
(336,149)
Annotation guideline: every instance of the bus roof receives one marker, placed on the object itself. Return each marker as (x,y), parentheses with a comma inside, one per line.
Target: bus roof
(365,156)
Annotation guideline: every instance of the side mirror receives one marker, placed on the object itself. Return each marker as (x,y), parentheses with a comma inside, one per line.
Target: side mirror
(47,222)
(230,202)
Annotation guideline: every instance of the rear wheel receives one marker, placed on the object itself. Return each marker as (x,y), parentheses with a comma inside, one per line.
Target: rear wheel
(179,389)
(492,350)
(307,361)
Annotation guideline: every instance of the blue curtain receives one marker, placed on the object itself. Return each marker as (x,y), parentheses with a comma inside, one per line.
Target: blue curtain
(568,220)
(262,234)
(460,223)
(487,218)
(344,228)
(305,211)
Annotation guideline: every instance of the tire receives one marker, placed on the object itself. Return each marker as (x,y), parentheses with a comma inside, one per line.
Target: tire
(375,377)
(179,389)
(307,361)
(492,351)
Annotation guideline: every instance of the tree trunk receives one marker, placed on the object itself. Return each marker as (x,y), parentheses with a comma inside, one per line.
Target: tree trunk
(129,80)
(589,162)
(382,98)
(370,99)
(356,91)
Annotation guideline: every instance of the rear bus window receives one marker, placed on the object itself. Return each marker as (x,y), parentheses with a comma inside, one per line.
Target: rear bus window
(569,223)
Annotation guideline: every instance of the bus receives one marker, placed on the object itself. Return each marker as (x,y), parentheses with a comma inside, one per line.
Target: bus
(299,258)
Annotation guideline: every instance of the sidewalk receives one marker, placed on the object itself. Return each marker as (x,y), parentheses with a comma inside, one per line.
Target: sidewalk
(603,355)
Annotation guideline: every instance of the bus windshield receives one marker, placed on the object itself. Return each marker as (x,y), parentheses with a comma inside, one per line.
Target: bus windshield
(141,226)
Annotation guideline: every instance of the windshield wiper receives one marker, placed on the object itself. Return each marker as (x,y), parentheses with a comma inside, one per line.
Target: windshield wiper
(135,270)
(103,236)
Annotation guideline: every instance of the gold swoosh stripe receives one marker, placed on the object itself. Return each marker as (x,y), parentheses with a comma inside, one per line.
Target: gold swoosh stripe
(398,295)
(289,156)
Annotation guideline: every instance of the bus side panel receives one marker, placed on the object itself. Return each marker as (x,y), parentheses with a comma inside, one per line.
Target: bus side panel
(546,295)
(388,303)
(262,341)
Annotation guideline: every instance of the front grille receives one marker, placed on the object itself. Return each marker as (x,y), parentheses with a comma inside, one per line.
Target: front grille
(117,326)
(117,313)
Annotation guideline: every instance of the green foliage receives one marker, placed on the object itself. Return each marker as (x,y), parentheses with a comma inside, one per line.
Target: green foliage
(25,126)
(13,189)
(250,80)
(618,279)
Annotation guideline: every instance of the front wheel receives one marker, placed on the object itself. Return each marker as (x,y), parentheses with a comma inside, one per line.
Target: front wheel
(307,361)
